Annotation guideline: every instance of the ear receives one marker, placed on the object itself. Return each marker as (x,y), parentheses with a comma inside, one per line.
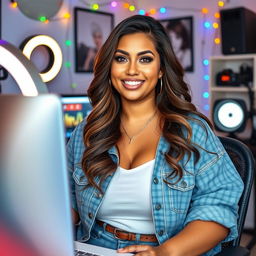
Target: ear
(160,74)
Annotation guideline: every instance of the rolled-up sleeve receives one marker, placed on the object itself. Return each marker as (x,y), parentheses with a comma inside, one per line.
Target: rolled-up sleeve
(218,188)
(216,195)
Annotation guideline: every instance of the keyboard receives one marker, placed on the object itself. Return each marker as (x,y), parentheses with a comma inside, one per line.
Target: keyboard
(81,253)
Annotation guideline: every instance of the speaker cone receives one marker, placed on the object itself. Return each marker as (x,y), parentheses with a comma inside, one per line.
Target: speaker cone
(229,115)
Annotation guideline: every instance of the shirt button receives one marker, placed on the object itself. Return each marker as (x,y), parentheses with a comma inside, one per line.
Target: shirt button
(158,206)
(99,195)
(160,232)
(184,184)
(155,180)
(90,215)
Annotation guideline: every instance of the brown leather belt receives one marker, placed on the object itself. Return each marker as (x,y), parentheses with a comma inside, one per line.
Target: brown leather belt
(123,235)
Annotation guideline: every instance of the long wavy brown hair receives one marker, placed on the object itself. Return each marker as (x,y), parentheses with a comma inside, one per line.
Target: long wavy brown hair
(102,130)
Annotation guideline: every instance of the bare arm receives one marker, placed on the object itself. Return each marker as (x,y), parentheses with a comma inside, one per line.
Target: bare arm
(196,238)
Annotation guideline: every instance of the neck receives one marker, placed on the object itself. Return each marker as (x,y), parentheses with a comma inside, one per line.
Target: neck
(138,110)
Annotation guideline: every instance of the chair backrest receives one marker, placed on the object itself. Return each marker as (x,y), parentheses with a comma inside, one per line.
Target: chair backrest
(244,162)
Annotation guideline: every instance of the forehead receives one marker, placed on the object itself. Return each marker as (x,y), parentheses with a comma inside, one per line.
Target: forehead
(136,42)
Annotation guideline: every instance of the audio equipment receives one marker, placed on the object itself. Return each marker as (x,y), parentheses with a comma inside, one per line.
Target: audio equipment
(238,29)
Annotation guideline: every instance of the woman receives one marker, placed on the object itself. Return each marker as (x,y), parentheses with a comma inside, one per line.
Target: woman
(147,173)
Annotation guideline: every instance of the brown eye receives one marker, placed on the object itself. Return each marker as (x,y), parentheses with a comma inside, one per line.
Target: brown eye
(146,59)
(120,59)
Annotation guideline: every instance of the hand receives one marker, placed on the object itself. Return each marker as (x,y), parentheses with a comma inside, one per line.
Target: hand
(144,250)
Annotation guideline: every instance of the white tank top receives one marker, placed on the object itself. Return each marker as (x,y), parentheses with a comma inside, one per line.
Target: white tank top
(127,201)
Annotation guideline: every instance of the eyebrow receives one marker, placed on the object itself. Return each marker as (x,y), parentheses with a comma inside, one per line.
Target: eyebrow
(139,54)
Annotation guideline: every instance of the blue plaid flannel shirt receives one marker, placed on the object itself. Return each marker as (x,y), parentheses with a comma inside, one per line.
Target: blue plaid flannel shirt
(209,190)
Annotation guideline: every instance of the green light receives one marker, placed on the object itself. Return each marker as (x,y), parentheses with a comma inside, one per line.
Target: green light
(67,64)
(73,85)
(68,42)
(42,18)
(95,6)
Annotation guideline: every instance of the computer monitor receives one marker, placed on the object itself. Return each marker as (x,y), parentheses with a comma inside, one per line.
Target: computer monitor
(75,109)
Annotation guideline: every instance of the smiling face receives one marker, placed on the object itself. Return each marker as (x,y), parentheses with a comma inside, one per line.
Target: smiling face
(135,69)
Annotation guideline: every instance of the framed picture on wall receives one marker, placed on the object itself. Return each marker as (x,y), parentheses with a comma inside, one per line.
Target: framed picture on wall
(180,31)
(91,30)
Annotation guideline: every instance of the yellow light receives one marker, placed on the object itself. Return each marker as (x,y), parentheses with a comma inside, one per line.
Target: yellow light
(217,40)
(126,5)
(95,6)
(217,15)
(152,11)
(205,10)
(66,15)
(220,3)
(53,46)
(14,4)
(46,21)
(215,25)
(132,8)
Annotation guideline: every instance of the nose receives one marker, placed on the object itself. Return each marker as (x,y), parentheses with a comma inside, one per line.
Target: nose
(132,68)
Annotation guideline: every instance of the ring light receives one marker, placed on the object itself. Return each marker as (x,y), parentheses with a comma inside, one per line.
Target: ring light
(22,70)
(54,51)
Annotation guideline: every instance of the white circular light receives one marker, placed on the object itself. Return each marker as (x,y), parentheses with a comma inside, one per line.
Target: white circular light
(230,115)
(56,51)
(22,70)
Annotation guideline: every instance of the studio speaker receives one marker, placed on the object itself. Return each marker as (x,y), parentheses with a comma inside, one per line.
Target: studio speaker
(238,31)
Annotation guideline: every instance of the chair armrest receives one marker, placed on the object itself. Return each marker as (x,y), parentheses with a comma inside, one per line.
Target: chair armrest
(234,251)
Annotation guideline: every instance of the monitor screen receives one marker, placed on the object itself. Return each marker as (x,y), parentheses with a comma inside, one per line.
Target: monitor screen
(75,109)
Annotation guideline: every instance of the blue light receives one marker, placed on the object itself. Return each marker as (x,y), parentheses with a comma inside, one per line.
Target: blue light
(142,12)
(162,10)
(207,24)
(206,62)
(206,107)
(206,77)
(206,95)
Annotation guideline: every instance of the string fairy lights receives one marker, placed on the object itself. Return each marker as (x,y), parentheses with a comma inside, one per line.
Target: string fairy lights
(210,23)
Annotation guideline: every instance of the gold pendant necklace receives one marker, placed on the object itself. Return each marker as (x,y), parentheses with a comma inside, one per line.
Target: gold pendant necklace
(131,138)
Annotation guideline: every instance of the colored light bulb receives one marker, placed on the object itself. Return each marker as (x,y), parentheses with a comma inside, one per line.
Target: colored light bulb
(114,4)
(66,15)
(206,77)
(217,15)
(152,11)
(204,10)
(207,24)
(206,62)
(68,42)
(220,3)
(217,40)
(215,25)
(132,8)
(42,18)
(162,10)
(14,4)
(126,5)
(206,95)
(95,6)
(142,12)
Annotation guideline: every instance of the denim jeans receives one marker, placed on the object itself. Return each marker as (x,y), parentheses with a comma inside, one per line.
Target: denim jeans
(101,237)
